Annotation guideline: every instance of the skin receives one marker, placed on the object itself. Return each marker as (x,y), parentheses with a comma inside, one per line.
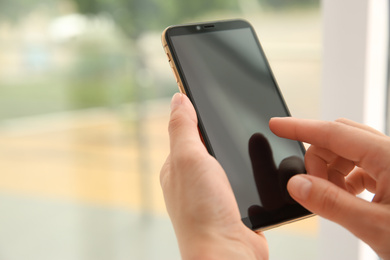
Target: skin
(344,159)
(199,198)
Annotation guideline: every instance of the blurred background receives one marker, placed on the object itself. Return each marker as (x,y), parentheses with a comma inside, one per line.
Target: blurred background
(84,103)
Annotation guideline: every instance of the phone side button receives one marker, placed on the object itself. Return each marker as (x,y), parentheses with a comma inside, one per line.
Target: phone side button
(166,49)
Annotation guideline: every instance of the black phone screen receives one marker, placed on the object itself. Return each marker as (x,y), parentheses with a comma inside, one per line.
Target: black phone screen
(228,79)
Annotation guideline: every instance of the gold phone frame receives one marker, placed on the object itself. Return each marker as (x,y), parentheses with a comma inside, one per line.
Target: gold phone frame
(171,63)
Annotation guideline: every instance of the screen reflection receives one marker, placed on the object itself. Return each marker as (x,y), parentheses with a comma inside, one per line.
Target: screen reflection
(271,180)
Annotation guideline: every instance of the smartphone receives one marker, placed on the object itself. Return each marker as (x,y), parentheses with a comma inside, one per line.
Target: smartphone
(222,68)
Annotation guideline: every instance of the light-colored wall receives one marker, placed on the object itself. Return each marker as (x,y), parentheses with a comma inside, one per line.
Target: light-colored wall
(355,35)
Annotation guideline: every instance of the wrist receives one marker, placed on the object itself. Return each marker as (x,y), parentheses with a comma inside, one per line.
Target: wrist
(212,246)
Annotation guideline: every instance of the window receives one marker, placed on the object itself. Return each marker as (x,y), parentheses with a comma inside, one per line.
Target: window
(84,103)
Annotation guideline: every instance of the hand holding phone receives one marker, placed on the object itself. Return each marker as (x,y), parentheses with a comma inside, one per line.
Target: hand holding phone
(222,68)
(198,196)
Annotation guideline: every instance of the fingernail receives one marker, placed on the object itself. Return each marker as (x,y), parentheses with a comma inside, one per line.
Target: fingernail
(176,100)
(299,187)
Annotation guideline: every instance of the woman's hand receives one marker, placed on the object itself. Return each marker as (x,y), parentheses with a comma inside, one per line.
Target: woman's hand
(199,198)
(344,159)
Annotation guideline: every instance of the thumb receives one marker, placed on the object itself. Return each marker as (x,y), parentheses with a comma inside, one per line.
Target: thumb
(364,219)
(183,123)
(185,142)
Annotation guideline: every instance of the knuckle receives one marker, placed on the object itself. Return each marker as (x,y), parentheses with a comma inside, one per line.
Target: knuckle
(342,120)
(180,120)
(187,159)
(351,187)
(175,121)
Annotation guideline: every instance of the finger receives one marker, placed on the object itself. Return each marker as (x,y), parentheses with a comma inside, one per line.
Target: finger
(327,165)
(369,151)
(183,129)
(358,181)
(338,170)
(317,160)
(341,166)
(289,167)
(324,163)
(329,201)
(358,125)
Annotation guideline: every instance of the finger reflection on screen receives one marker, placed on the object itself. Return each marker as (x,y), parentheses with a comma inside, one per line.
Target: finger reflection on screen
(271,181)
